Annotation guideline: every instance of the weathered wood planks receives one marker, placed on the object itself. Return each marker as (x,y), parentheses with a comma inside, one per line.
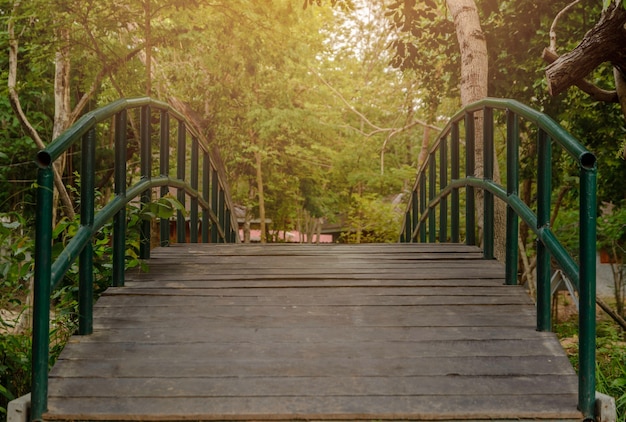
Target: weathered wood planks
(316,332)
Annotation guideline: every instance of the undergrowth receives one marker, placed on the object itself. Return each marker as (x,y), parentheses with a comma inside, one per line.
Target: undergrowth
(610,357)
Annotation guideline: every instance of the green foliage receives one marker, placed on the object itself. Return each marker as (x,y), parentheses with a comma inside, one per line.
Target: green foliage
(610,358)
(372,220)
(612,240)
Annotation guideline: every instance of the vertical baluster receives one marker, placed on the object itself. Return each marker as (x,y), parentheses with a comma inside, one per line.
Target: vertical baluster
(454,175)
(87,204)
(221,207)
(512,187)
(544,190)
(470,153)
(414,214)
(443,182)
(214,205)
(206,185)
(432,187)
(193,224)
(422,192)
(164,167)
(146,170)
(181,153)
(587,288)
(488,161)
(41,295)
(119,220)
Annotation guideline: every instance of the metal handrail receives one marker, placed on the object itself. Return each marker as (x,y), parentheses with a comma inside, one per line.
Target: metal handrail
(433,192)
(218,221)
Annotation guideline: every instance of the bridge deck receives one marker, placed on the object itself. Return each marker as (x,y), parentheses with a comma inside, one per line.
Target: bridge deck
(285,332)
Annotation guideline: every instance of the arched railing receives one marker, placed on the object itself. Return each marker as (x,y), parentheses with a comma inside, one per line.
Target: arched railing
(435,209)
(198,174)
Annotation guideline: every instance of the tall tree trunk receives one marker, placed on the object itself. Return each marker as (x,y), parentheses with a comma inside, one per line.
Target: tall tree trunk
(474,82)
(259,183)
(148,30)
(62,106)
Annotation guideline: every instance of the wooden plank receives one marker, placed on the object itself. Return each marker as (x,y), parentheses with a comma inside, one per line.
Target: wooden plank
(450,407)
(331,335)
(198,351)
(309,386)
(277,332)
(119,296)
(199,299)
(327,366)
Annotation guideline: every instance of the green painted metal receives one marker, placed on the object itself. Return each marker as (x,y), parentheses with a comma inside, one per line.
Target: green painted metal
(432,192)
(512,189)
(214,205)
(87,205)
(146,173)
(206,186)
(544,191)
(119,220)
(488,165)
(41,294)
(455,173)
(48,273)
(587,290)
(470,162)
(193,214)
(550,135)
(443,180)
(164,170)
(180,174)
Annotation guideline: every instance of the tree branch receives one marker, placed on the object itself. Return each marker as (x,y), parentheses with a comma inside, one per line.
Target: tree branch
(604,42)
(555,21)
(592,90)
(68,206)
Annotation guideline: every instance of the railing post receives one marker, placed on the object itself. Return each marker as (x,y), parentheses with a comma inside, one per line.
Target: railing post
(414,214)
(454,175)
(422,189)
(488,161)
(215,187)
(432,187)
(470,165)
(443,182)
(405,236)
(221,216)
(587,290)
(119,220)
(512,188)
(181,153)
(87,204)
(206,186)
(41,295)
(146,170)
(544,175)
(164,167)
(193,215)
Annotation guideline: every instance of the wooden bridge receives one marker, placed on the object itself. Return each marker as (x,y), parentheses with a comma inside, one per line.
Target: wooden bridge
(216,331)
(314,332)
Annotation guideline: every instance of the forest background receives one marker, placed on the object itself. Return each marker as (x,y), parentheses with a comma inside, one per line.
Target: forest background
(321,114)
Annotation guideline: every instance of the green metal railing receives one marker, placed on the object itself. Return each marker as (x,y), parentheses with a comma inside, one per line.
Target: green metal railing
(217,224)
(441,191)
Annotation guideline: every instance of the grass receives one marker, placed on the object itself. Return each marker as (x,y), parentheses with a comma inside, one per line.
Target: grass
(610,357)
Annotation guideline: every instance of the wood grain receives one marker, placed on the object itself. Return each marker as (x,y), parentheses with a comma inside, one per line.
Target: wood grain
(295,332)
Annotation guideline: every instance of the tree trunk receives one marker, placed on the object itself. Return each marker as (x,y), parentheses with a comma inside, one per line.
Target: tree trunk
(474,82)
(62,106)
(148,30)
